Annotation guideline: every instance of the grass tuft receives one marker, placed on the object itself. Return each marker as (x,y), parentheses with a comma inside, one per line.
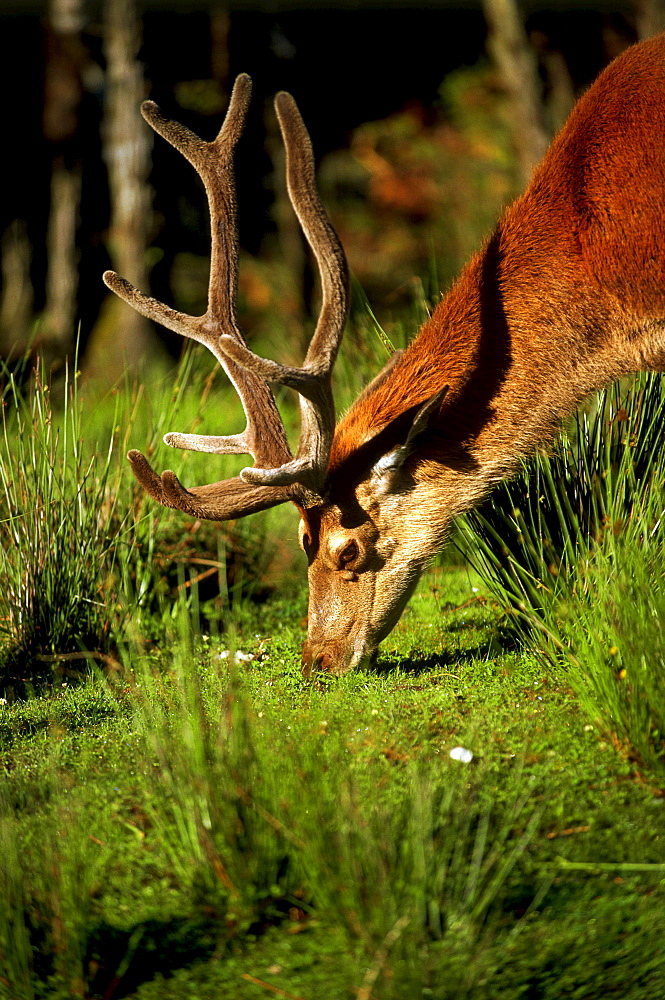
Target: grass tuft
(56,547)
(82,546)
(573,547)
(600,488)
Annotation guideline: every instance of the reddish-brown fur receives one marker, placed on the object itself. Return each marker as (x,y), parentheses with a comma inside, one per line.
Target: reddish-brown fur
(567,294)
(585,240)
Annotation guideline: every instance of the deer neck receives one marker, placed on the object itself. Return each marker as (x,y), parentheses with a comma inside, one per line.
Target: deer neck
(517,362)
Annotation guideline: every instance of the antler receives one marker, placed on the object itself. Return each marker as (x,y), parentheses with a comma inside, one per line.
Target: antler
(276,476)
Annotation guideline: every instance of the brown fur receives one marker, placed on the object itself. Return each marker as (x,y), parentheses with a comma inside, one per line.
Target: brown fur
(567,294)
(577,263)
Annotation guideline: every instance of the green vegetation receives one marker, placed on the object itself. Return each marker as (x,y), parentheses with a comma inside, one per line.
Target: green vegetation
(182,816)
(414,192)
(595,494)
(573,549)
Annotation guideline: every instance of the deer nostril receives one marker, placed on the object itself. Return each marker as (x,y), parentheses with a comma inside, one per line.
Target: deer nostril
(313,663)
(322,661)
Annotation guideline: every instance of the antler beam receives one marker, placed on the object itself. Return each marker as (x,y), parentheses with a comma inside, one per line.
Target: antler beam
(276,475)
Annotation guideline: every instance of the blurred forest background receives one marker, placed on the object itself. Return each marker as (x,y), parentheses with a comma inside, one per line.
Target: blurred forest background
(426,119)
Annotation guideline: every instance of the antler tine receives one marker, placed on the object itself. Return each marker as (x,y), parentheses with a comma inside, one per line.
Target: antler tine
(221,198)
(213,161)
(313,380)
(264,436)
(322,238)
(221,501)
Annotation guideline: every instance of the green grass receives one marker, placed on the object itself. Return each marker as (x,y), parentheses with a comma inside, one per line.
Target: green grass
(573,547)
(197,820)
(179,821)
(598,489)
(84,551)
(57,503)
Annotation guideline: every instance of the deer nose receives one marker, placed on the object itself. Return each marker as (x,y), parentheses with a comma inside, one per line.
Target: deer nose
(313,662)
(322,661)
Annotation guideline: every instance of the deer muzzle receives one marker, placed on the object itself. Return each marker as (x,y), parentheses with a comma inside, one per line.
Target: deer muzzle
(335,658)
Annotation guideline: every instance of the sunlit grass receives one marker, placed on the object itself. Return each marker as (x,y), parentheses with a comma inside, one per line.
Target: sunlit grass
(180,820)
(574,548)
(600,488)
(83,547)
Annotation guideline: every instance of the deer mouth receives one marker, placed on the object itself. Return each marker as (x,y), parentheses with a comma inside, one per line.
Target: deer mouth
(336,662)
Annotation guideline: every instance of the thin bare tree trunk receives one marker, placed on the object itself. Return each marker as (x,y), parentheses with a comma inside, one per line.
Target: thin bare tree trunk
(561,99)
(66,58)
(290,241)
(16,303)
(59,320)
(122,337)
(220,27)
(649,17)
(509,48)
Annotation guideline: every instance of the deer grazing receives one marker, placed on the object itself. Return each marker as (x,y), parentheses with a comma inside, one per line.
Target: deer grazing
(566,295)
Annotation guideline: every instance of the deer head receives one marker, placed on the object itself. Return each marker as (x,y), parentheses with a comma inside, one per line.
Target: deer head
(358,588)
(568,293)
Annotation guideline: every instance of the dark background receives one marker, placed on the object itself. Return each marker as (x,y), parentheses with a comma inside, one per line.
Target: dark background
(344,64)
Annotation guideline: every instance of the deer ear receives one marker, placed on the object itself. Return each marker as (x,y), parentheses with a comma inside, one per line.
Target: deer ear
(393,460)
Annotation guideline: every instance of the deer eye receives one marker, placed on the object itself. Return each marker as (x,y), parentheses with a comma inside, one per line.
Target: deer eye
(348,555)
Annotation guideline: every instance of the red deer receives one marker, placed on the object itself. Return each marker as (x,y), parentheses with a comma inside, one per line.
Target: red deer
(566,295)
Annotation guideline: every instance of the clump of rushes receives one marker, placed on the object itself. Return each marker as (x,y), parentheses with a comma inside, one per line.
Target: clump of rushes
(82,548)
(599,488)
(56,548)
(613,636)
(573,547)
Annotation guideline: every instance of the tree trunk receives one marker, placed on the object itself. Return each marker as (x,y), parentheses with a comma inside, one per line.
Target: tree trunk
(121,337)
(509,48)
(16,302)
(220,28)
(66,59)
(58,327)
(649,17)
(295,286)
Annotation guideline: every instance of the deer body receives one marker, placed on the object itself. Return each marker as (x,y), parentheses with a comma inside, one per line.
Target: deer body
(566,295)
